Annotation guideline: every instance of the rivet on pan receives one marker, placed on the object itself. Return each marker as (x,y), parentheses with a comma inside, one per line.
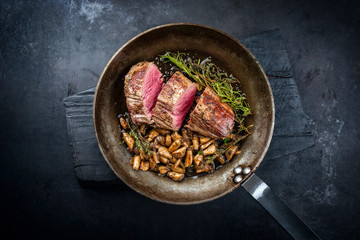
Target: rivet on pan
(247,170)
(238,179)
(238,170)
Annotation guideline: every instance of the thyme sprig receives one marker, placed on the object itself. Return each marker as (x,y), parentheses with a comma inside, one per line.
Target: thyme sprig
(141,143)
(206,73)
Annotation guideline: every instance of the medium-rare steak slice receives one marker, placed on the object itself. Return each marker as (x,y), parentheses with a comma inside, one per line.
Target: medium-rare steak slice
(174,102)
(142,86)
(211,117)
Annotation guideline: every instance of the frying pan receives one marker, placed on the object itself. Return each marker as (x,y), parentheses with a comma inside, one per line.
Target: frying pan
(109,102)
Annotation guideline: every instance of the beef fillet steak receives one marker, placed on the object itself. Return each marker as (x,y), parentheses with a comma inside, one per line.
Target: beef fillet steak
(174,102)
(143,84)
(211,117)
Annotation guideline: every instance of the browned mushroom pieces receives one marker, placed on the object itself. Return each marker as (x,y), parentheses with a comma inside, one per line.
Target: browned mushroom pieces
(230,153)
(132,161)
(210,150)
(175,136)
(198,158)
(204,146)
(189,157)
(238,152)
(180,152)
(175,176)
(195,142)
(143,129)
(123,123)
(163,169)
(203,167)
(136,163)
(153,134)
(168,140)
(220,159)
(164,152)
(175,145)
(176,164)
(204,140)
(164,160)
(153,164)
(160,140)
(185,134)
(155,156)
(129,140)
(162,131)
(178,169)
(144,166)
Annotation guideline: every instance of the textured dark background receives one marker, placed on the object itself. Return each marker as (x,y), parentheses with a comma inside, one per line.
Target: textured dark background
(52,49)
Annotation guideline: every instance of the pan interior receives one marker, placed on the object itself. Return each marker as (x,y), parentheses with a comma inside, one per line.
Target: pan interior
(109,101)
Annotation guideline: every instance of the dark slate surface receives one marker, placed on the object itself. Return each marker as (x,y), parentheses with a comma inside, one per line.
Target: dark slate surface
(53,49)
(291,133)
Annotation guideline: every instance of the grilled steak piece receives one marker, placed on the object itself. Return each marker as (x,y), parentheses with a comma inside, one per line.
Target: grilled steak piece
(143,84)
(174,102)
(211,117)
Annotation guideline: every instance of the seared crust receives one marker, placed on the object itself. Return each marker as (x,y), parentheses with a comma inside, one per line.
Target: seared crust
(133,93)
(211,117)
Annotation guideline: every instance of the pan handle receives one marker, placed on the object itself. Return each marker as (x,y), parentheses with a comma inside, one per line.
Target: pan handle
(262,193)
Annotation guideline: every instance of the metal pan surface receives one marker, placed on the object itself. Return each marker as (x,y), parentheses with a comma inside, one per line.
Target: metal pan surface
(109,102)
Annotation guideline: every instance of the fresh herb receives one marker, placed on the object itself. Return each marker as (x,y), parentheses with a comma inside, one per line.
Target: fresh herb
(206,73)
(135,132)
(121,142)
(226,140)
(233,143)
(199,152)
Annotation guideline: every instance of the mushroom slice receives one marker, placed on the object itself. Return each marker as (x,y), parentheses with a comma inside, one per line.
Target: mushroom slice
(164,152)
(168,140)
(204,140)
(203,167)
(153,134)
(164,160)
(175,176)
(189,157)
(230,153)
(123,123)
(136,163)
(155,157)
(129,140)
(160,140)
(210,150)
(175,136)
(220,159)
(195,142)
(163,169)
(143,129)
(144,166)
(180,152)
(153,164)
(175,145)
(204,146)
(185,135)
(198,158)
(162,131)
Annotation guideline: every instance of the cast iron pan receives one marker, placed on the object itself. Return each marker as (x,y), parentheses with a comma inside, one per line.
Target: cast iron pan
(109,102)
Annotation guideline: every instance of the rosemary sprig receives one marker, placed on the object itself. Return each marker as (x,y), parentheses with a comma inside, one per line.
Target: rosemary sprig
(206,73)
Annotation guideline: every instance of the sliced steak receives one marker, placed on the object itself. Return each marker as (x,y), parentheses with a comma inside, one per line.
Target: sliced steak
(211,117)
(174,102)
(143,84)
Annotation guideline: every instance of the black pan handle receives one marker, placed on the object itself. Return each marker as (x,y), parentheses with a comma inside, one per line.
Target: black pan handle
(272,203)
